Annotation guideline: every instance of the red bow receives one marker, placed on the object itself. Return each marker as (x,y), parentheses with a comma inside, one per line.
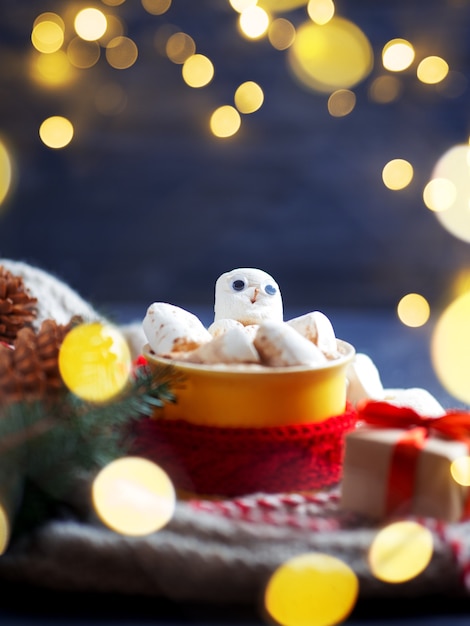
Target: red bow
(453,425)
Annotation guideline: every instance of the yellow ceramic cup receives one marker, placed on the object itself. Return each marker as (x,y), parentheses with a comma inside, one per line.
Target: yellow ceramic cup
(257,396)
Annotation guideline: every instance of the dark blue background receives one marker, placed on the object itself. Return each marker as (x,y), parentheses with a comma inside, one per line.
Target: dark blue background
(147,205)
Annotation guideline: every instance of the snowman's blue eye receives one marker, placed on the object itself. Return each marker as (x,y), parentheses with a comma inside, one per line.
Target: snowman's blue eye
(238,284)
(270,289)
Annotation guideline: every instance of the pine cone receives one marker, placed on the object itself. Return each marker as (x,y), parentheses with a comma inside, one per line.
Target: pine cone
(17,306)
(30,369)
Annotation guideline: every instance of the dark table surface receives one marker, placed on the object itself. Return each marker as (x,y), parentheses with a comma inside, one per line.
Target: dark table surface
(402,356)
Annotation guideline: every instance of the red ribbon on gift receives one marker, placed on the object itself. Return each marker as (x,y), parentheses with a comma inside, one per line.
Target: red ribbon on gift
(454,425)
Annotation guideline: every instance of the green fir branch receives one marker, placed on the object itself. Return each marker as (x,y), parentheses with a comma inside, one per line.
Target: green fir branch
(53,443)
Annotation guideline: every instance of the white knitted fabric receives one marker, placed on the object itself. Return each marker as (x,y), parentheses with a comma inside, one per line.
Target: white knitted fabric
(58,301)
(211,552)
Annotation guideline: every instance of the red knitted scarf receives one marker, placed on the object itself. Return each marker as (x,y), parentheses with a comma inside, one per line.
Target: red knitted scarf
(231,462)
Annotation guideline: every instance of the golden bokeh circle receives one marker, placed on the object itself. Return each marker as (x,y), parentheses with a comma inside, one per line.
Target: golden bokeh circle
(312,588)
(336,55)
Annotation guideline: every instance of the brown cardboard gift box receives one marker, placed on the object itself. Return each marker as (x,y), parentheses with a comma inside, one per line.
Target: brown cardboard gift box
(375,462)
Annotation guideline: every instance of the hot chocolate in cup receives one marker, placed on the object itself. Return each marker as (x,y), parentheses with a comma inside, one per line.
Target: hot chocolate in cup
(256,396)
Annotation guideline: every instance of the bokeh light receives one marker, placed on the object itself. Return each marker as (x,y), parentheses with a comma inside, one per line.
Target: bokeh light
(400,551)
(5,529)
(450,348)
(413,310)
(460,470)
(121,53)
(197,71)
(281,6)
(90,24)
(6,172)
(83,54)
(385,89)
(180,47)
(95,361)
(253,22)
(281,33)
(432,70)
(49,16)
(320,11)
(115,28)
(133,496)
(341,102)
(397,55)
(397,174)
(47,35)
(56,132)
(156,7)
(248,97)
(334,56)
(52,70)
(113,3)
(225,121)
(449,197)
(439,194)
(311,589)
(241,5)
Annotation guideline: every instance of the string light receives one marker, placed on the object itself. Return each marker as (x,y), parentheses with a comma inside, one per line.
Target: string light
(90,24)
(432,70)
(249,97)
(253,22)
(397,174)
(56,131)
(133,496)
(320,11)
(400,551)
(334,56)
(413,310)
(281,33)
(398,55)
(447,194)
(95,361)
(156,7)
(225,121)
(460,470)
(121,53)
(197,71)
(341,102)
(179,47)
(6,172)
(450,348)
(311,589)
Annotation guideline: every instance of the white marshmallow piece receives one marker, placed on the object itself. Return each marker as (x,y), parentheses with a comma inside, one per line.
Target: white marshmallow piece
(169,329)
(420,400)
(233,346)
(280,345)
(222,326)
(316,327)
(248,295)
(364,381)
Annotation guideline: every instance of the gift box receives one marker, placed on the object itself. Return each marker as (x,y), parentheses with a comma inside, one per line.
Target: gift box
(398,462)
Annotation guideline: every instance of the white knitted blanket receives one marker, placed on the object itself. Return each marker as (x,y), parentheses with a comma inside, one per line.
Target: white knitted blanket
(211,551)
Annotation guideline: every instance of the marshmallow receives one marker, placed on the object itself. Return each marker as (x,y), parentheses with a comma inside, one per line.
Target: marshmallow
(280,345)
(233,346)
(316,327)
(223,325)
(363,380)
(169,328)
(247,295)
